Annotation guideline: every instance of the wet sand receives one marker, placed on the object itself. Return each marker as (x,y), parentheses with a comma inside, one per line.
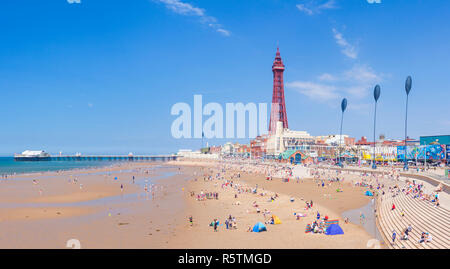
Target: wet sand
(99,215)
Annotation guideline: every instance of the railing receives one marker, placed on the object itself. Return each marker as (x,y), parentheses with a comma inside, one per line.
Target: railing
(103,158)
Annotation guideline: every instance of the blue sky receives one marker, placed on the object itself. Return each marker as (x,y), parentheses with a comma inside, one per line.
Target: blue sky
(100,76)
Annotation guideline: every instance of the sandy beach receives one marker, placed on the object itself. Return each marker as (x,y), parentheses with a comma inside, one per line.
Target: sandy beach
(289,234)
(45,210)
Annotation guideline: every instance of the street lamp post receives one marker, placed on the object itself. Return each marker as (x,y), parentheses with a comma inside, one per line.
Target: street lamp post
(343,107)
(376,96)
(408,85)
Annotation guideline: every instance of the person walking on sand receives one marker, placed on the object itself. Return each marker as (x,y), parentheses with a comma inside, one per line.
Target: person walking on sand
(215,225)
(191,220)
(121,187)
(361,217)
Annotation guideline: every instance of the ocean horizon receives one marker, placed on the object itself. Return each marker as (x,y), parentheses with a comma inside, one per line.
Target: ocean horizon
(9,166)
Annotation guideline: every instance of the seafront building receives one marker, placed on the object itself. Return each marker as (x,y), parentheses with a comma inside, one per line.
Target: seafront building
(285,139)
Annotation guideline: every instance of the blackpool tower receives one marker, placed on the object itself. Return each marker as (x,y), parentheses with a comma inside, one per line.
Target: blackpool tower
(278,108)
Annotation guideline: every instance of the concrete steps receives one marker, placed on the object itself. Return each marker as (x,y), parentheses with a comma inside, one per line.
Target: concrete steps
(392,224)
(425,220)
(422,216)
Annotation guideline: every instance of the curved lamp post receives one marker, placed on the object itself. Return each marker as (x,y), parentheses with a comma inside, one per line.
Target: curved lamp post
(376,96)
(343,107)
(408,85)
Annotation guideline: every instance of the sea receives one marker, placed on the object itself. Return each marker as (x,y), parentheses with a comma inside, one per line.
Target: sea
(9,167)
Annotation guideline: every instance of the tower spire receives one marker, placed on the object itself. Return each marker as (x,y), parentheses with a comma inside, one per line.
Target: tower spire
(278,109)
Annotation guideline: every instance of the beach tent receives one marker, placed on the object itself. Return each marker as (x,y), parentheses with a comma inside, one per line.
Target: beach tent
(259,227)
(369,193)
(334,229)
(276,220)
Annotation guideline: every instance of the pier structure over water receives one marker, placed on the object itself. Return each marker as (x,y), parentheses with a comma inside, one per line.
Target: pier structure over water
(111,158)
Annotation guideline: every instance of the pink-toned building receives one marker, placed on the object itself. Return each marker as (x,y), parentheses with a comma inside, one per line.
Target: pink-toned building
(258,146)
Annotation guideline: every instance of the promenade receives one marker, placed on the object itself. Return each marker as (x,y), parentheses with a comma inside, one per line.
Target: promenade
(418,213)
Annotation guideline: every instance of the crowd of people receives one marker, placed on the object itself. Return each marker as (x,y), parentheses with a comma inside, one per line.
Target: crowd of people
(417,191)
(387,181)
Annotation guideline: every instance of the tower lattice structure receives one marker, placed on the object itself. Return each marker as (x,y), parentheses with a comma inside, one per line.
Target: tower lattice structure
(278,108)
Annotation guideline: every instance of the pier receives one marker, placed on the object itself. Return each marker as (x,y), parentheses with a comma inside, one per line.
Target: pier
(110,158)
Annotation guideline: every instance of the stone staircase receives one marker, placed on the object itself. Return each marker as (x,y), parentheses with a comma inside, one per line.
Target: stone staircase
(423,216)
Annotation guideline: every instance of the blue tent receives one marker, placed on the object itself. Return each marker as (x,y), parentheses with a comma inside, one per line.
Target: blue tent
(334,229)
(369,193)
(259,227)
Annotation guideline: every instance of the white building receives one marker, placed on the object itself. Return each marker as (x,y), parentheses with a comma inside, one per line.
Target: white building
(382,152)
(332,140)
(189,154)
(227,149)
(285,139)
(34,153)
